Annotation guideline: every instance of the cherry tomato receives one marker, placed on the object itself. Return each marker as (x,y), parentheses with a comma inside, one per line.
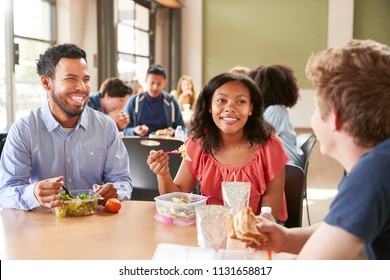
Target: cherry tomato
(113,205)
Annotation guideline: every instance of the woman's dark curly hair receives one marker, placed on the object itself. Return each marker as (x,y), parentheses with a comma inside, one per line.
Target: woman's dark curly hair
(277,84)
(256,130)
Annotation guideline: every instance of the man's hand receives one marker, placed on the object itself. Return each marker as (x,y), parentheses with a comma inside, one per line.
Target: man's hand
(48,191)
(165,132)
(121,118)
(141,130)
(106,191)
(277,235)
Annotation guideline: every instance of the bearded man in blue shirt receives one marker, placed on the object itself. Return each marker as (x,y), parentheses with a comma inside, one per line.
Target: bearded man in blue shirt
(63,142)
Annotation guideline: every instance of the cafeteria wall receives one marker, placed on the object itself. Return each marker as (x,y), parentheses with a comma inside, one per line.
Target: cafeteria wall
(255,32)
(372,20)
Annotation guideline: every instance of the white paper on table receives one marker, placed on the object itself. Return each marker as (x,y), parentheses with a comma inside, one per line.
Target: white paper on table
(166,251)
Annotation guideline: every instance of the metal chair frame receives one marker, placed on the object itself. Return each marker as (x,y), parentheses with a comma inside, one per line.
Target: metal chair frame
(2,143)
(294,188)
(306,142)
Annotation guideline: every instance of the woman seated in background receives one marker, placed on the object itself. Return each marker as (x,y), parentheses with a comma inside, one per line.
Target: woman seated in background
(111,100)
(280,91)
(185,92)
(240,70)
(136,85)
(229,140)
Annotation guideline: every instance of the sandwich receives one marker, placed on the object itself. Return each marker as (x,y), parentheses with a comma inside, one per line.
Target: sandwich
(243,227)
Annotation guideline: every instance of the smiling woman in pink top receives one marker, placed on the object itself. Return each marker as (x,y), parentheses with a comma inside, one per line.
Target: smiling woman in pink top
(229,139)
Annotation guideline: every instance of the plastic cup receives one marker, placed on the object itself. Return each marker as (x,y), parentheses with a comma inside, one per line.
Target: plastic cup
(212,226)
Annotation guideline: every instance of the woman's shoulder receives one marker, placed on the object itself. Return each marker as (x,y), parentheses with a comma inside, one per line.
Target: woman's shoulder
(193,145)
(275,110)
(273,147)
(274,140)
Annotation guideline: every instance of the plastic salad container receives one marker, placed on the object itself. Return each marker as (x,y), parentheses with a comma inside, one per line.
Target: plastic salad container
(82,203)
(178,207)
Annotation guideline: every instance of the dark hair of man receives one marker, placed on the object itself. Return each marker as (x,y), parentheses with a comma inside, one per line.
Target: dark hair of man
(47,61)
(114,87)
(277,84)
(256,129)
(157,69)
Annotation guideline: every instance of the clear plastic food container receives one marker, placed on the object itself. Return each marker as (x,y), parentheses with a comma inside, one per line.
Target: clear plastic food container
(178,207)
(83,203)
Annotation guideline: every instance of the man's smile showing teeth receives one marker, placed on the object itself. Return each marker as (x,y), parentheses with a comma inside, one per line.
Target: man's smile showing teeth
(78,99)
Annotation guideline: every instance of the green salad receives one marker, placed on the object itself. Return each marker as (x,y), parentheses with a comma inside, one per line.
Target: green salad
(81,205)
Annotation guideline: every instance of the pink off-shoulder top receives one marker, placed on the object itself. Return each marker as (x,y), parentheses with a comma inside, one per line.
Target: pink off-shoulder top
(265,165)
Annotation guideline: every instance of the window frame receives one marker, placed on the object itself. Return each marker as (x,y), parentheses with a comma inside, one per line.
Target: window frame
(12,52)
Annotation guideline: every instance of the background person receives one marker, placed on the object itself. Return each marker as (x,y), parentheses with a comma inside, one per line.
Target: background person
(63,142)
(352,124)
(240,70)
(185,92)
(136,85)
(153,110)
(229,140)
(280,91)
(111,100)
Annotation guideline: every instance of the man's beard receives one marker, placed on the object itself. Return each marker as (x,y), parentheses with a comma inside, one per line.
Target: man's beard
(65,107)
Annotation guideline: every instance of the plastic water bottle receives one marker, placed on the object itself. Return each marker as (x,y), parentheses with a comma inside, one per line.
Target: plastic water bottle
(179,133)
(266,213)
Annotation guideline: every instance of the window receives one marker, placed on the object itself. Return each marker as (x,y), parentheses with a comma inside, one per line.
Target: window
(26,40)
(133,39)
(3,110)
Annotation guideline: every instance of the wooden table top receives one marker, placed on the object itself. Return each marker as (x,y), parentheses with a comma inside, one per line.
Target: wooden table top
(131,234)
